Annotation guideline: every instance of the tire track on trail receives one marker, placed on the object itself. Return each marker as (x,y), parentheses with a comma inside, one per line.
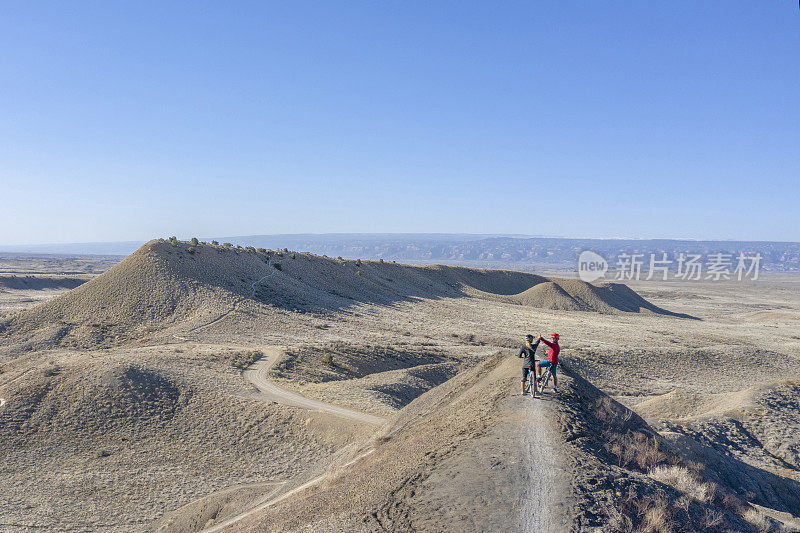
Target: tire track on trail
(544,485)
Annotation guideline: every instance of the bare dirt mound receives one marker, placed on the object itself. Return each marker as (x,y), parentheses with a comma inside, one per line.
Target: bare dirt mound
(156,286)
(452,460)
(165,284)
(549,295)
(575,295)
(55,399)
(147,436)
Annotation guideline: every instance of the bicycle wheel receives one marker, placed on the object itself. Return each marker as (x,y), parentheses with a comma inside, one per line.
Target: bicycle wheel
(545,379)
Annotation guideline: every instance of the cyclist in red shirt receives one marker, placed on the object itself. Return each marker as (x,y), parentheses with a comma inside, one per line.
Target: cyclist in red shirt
(552,359)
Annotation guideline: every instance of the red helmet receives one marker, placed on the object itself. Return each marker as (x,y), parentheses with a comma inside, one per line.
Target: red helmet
(555,335)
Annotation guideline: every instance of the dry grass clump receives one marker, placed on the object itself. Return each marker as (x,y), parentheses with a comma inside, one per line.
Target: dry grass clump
(757,519)
(634,449)
(686,481)
(245,358)
(642,514)
(715,498)
(625,438)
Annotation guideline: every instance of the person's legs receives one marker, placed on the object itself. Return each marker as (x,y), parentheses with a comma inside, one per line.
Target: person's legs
(540,366)
(525,371)
(555,379)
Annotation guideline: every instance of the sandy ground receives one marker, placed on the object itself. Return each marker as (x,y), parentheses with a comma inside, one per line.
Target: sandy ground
(170,431)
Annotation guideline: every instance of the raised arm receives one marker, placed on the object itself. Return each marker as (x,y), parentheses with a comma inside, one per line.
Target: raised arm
(550,344)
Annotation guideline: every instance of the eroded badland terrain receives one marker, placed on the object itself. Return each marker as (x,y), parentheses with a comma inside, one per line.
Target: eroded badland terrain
(235,389)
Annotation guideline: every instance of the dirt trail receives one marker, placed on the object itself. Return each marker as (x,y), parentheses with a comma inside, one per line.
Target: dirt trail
(235,303)
(257,375)
(546,483)
(262,504)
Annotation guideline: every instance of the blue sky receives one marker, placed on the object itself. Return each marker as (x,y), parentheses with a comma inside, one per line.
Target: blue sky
(132,120)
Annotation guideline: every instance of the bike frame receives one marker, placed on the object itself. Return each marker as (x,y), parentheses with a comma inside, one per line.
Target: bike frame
(546,378)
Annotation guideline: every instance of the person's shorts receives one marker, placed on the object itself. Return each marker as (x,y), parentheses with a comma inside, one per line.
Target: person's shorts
(546,363)
(525,371)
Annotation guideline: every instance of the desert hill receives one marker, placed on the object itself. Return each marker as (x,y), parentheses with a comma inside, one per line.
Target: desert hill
(459,458)
(165,284)
(394,389)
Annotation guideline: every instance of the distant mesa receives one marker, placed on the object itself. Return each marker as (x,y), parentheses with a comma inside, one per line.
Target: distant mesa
(163,285)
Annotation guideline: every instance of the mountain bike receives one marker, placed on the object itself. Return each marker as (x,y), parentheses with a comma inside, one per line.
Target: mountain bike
(545,378)
(530,383)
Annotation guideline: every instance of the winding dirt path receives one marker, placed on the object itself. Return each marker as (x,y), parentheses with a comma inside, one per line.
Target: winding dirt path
(257,375)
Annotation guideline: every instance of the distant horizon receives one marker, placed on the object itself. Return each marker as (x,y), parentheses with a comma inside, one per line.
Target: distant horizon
(12,247)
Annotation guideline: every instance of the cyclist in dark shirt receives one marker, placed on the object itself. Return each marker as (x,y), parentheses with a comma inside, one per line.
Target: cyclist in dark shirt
(528,352)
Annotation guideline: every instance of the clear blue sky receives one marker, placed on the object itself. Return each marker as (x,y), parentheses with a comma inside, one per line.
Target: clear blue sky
(130,120)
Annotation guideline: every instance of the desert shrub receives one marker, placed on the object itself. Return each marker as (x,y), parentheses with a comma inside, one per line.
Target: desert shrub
(685,481)
(191,250)
(286,250)
(294,256)
(380,260)
(245,358)
(250,249)
(327,359)
(757,519)
(277,266)
(103,453)
(215,243)
(358,262)
(238,246)
(339,258)
(261,250)
(658,517)
(279,253)
(358,272)
(227,244)
(712,519)
(173,241)
(194,241)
